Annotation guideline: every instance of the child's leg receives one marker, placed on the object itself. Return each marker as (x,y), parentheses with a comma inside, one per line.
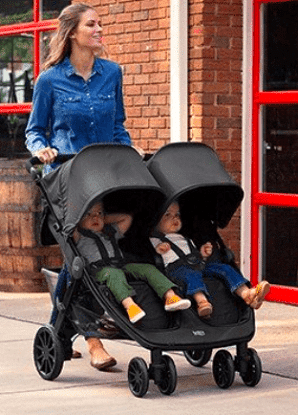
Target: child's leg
(254,297)
(204,307)
(160,283)
(194,286)
(227,273)
(117,283)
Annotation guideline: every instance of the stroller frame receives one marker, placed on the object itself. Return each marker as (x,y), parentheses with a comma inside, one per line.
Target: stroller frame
(187,333)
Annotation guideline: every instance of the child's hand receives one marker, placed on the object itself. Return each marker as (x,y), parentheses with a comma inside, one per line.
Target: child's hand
(206,250)
(163,248)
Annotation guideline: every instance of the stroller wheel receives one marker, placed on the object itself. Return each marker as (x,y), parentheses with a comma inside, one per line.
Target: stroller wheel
(198,357)
(168,376)
(138,377)
(223,369)
(48,353)
(253,374)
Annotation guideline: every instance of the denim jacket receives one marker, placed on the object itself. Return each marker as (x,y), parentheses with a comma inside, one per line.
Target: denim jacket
(70,113)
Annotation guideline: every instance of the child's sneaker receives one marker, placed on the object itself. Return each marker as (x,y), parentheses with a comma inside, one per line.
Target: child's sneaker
(135,313)
(175,303)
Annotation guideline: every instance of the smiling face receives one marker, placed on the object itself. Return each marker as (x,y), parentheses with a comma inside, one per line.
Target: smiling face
(88,32)
(170,221)
(94,218)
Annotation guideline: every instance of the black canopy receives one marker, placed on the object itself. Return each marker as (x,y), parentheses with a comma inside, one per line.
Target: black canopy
(193,174)
(115,174)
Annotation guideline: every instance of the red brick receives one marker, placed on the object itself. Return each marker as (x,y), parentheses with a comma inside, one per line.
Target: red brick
(141,15)
(157,122)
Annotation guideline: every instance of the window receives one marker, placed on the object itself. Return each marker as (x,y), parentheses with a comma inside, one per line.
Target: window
(24,31)
(274,148)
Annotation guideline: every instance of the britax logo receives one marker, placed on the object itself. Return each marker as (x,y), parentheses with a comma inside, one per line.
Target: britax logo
(199,333)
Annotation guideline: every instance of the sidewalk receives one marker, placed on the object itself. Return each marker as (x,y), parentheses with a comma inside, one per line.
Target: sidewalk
(80,389)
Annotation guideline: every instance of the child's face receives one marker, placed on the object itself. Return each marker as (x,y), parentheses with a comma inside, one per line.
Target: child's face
(94,218)
(170,221)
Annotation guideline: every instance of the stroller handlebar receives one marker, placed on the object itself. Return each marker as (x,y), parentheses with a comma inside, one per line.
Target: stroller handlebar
(35,161)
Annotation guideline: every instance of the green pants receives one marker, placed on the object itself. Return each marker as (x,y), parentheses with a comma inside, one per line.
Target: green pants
(116,280)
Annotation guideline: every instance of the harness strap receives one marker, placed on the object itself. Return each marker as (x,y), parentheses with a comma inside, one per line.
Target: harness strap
(117,259)
(192,258)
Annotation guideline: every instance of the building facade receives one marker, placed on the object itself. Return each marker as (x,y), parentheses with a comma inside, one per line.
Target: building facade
(221,72)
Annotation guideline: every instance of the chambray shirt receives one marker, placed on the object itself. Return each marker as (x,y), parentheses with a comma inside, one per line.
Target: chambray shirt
(70,113)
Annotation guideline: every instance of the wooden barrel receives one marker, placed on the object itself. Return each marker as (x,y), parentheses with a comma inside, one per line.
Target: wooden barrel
(21,254)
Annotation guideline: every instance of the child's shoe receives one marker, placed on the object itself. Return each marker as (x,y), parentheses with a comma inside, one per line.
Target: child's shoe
(175,303)
(261,290)
(205,309)
(135,313)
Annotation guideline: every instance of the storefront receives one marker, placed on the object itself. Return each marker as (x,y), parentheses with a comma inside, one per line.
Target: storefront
(235,52)
(275,148)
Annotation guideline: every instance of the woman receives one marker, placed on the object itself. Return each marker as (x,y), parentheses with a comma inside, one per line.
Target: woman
(77,101)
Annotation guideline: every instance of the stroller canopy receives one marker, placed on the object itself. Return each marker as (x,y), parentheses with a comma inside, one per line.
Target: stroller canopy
(115,174)
(193,174)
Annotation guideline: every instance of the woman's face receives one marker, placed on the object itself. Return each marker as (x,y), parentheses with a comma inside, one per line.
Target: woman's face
(88,32)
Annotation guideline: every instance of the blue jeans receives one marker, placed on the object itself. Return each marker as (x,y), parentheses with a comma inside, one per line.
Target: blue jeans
(192,279)
(63,280)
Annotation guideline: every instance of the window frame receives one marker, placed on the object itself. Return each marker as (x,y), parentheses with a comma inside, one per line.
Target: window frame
(35,27)
(259,198)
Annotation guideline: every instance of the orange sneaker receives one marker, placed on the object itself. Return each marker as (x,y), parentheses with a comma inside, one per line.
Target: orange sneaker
(135,313)
(175,303)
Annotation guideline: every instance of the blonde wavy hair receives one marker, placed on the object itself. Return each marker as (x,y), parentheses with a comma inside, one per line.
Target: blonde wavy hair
(60,44)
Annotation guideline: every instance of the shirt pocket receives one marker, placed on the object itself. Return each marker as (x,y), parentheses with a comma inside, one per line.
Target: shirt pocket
(106,103)
(72,104)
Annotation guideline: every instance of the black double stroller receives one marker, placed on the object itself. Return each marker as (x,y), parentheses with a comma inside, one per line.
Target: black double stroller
(208,198)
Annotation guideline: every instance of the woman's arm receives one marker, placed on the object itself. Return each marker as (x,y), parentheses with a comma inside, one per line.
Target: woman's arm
(39,120)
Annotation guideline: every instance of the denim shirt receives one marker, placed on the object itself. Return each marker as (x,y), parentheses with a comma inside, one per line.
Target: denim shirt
(70,113)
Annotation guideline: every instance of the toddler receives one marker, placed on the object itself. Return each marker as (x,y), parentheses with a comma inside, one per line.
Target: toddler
(183,262)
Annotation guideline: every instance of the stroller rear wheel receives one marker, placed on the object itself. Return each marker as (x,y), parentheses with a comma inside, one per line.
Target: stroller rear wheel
(138,377)
(169,376)
(198,357)
(253,374)
(48,353)
(223,369)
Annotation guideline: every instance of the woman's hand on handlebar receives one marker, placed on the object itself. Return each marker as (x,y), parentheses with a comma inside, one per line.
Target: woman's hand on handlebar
(46,155)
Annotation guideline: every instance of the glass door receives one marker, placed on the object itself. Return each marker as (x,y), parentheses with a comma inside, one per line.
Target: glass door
(275,148)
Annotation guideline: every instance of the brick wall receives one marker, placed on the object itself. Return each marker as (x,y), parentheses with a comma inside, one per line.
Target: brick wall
(137,35)
(215,86)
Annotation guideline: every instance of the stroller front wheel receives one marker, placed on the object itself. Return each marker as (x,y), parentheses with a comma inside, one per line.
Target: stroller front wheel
(169,376)
(223,369)
(138,377)
(253,373)
(48,353)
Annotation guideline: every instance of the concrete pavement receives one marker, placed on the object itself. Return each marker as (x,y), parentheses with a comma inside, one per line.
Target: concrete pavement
(80,389)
